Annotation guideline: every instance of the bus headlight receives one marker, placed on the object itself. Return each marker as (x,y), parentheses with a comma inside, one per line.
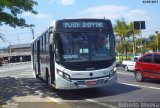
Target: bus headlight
(63,75)
(60,73)
(113,71)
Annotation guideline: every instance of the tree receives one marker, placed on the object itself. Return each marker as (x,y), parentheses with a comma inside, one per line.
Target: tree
(10,9)
(121,28)
(132,32)
(154,41)
(157,39)
(124,47)
(120,49)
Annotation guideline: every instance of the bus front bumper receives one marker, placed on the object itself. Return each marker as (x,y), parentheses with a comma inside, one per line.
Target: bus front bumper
(81,84)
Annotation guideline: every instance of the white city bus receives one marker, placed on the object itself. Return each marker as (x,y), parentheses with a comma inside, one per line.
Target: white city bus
(76,54)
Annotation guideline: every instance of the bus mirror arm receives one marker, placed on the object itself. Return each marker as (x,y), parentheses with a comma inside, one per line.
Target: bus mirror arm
(53,48)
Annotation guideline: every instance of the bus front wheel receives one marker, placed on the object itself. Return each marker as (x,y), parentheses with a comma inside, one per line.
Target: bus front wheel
(35,72)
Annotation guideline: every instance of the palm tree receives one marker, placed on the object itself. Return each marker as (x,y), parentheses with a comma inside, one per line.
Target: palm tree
(154,42)
(120,49)
(125,46)
(132,32)
(121,28)
(157,39)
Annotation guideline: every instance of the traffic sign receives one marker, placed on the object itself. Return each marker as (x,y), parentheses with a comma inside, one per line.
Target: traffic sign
(139,25)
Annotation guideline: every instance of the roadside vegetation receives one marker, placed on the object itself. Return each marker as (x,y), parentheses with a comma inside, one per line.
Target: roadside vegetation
(129,43)
(10,11)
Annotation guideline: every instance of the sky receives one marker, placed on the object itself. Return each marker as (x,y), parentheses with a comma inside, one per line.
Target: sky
(50,10)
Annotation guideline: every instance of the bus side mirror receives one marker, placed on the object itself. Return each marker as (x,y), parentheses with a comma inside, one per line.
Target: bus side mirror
(54,45)
(51,38)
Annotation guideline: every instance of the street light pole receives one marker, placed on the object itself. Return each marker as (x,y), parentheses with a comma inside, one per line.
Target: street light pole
(10,47)
(157,40)
(133,44)
(139,25)
(141,38)
(32,30)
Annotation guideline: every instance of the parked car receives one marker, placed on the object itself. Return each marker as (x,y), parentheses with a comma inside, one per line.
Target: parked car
(130,64)
(148,66)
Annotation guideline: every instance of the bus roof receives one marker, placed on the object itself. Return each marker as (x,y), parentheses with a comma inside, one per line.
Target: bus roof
(48,29)
(78,24)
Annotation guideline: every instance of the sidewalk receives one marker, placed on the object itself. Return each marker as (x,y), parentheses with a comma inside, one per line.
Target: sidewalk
(16,63)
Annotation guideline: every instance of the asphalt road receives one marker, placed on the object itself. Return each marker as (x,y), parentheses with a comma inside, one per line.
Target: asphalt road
(19,86)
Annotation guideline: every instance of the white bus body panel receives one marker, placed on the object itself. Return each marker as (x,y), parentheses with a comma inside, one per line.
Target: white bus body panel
(84,76)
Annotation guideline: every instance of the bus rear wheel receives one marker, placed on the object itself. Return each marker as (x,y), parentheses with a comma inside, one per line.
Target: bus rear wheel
(48,80)
(35,72)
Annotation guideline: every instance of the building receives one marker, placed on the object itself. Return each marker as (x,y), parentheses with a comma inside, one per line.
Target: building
(16,53)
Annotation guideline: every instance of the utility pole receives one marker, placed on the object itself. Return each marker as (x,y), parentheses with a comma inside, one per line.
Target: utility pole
(10,47)
(139,25)
(32,30)
(157,39)
(133,44)
(141,38)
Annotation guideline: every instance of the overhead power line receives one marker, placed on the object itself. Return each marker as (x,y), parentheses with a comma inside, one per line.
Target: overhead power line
(149,30)
(2,37)
(19,33)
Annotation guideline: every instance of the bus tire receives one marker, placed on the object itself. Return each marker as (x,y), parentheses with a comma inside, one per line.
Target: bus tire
(54,89)
(48,80)
(35,72)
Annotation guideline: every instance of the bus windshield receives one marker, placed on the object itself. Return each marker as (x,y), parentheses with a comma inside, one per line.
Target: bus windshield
(84,46)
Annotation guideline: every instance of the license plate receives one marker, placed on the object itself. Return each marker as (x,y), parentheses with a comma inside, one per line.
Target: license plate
(90,83)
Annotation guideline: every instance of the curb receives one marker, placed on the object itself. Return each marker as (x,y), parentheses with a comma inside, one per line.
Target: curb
(10,64)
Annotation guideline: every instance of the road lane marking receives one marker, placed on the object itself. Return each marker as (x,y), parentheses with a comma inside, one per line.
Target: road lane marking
(102,104)
(125,73)
(14,76)
(83,99)
(55,100)
(26,73)
(88,100)
(135,85)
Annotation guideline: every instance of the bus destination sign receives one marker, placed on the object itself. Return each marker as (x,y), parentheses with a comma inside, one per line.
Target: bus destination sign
(83,24)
